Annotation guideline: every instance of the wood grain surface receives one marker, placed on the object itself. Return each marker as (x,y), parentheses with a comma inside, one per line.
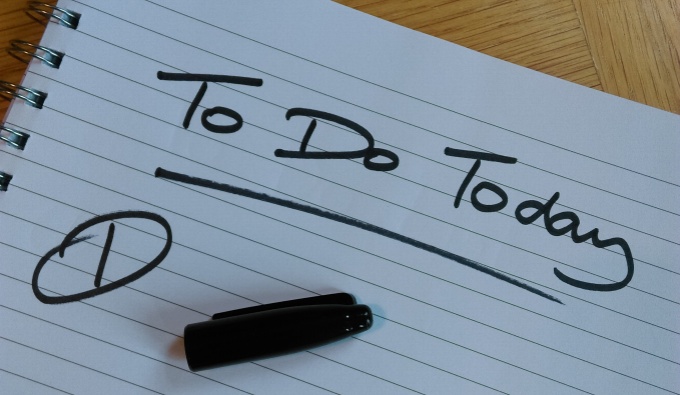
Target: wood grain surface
(628,48)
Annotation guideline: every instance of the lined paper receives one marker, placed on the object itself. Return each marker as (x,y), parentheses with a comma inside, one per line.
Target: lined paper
(440,326)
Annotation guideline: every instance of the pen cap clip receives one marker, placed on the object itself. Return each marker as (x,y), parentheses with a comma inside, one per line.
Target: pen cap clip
(271,332)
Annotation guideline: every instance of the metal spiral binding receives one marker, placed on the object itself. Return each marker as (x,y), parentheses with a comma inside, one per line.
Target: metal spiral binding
(14,138)
(32,97)
(4,181)
(24,51)
(65,17)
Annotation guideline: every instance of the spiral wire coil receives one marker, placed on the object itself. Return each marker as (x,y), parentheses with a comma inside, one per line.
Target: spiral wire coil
(24,51)
(32,97)
(4,181)
(65,17)
(13,137)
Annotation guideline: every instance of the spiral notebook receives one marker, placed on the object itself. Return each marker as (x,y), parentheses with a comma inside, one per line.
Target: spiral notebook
(512,232)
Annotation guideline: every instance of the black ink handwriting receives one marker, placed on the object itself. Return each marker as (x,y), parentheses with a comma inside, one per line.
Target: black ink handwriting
(71,239)
(218,110)
(478,156)
(368,154)
(541,209)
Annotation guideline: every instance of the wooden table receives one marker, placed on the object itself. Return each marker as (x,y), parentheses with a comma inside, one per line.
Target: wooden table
(628,48)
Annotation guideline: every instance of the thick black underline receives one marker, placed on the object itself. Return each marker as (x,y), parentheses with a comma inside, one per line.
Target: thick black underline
(230,79)
(186,179)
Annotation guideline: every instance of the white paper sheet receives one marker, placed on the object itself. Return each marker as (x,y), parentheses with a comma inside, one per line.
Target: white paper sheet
(440,327)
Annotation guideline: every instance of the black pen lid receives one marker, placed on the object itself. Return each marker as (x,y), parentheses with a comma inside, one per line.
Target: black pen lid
(267,333)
